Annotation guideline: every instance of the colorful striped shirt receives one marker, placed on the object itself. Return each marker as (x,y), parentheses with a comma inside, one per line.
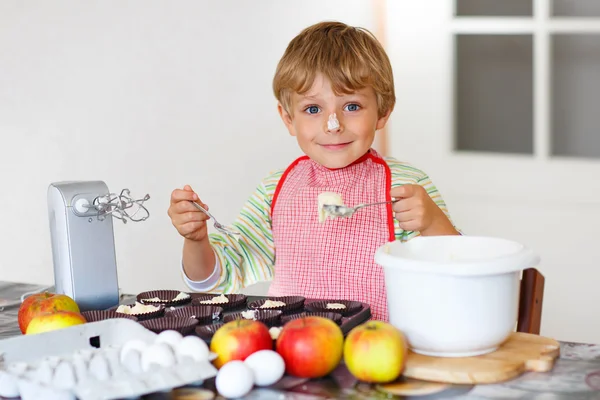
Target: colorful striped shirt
(251,258)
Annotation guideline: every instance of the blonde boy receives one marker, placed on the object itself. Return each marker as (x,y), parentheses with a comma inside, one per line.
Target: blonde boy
(335,89)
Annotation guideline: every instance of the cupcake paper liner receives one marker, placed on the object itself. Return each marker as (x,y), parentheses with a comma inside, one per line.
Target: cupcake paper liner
(292,303)
(204,314)
(166,296)
(352,307)
(206,332)
(101,315)
(267,317)
(235,301)
(183,325)
(144,316)
(335,317)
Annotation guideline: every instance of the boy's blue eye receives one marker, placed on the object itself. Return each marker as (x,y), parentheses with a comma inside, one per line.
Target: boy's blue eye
(352,107)
(312,109)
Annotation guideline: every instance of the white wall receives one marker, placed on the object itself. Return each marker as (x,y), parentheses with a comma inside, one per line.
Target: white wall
(549,204)
(151,95)
(145,95)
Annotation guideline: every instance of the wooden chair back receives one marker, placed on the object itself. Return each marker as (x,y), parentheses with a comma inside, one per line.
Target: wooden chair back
(530,303)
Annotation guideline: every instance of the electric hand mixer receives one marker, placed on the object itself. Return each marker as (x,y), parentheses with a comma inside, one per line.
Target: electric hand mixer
(83,246)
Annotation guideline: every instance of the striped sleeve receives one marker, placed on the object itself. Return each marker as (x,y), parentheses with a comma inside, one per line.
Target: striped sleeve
(251,258)
(404,173)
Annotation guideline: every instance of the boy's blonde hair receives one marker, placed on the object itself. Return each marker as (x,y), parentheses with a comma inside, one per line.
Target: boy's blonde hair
(351,58)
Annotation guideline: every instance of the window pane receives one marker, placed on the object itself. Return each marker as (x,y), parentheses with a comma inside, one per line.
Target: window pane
(576,8)
(494,8)
(494,93)
(576,95)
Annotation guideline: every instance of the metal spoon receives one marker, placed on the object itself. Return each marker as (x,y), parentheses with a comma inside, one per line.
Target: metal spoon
(344,211)
(221,228)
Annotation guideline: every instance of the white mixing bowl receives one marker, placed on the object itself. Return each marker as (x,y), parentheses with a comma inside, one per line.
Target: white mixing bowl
(454,296)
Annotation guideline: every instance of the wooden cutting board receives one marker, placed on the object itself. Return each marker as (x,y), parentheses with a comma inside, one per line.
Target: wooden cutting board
(521,352)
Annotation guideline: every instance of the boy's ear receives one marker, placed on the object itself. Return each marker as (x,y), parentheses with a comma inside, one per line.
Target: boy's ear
(286,118)
(383,120)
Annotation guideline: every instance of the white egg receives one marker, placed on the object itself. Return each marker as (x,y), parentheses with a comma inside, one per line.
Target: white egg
(8,385)
(52,361)
(32,390)
(114,361)
(134,344)
(234,379)
(64,375)
(133,361)
(80,366)
(267,366)
(193,347)
(170,337)
(86,354)
(159,354)
(42,374)
(99,368)
(17,368)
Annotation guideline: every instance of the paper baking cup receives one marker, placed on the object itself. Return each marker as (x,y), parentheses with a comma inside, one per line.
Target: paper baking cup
(206,332)
(147,315)
(101,315)
(335,317)
(204,314)
(292,303)
(166,295)
(352,307)
(183,325)
(235,301)
(267,317)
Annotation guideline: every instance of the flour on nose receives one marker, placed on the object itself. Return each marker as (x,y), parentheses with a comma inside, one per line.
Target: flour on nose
(332,122)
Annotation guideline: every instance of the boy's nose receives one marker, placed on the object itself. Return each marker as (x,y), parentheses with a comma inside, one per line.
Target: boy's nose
(333,124)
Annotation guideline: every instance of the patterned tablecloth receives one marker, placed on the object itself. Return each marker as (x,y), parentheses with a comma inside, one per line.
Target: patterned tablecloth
(576,374)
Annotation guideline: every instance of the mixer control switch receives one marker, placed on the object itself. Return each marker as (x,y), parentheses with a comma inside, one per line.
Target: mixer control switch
(81,206)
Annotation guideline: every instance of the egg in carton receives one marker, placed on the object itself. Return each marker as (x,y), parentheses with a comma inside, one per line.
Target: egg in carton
(135,367)
(132,368)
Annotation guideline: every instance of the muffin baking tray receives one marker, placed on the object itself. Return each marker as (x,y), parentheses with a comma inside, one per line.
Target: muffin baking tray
(347,319)
(202,314)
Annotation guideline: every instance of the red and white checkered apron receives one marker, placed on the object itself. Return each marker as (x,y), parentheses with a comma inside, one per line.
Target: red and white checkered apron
(334,259)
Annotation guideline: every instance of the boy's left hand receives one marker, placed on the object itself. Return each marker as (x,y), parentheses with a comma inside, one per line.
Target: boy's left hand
(416,211)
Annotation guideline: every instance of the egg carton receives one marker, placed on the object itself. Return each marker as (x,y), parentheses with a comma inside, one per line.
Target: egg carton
(84,362)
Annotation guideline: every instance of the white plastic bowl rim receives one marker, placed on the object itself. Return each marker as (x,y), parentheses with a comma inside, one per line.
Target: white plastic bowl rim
(522,258)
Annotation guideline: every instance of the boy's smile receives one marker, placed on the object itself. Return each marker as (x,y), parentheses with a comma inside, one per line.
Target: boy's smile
(336,146)
(356,112)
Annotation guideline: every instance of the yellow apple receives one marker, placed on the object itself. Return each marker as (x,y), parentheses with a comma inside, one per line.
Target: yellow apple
(375,352)
(43,303)
(46,322)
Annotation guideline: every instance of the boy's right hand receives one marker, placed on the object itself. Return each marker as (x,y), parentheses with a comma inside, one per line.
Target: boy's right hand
(187,219)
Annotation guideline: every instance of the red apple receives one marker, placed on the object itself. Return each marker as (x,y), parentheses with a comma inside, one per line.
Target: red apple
(311,346)
(46,322)
(236,340)
(44,303)
(375,352)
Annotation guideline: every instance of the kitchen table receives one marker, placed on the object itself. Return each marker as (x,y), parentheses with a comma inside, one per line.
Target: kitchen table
(576,374)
